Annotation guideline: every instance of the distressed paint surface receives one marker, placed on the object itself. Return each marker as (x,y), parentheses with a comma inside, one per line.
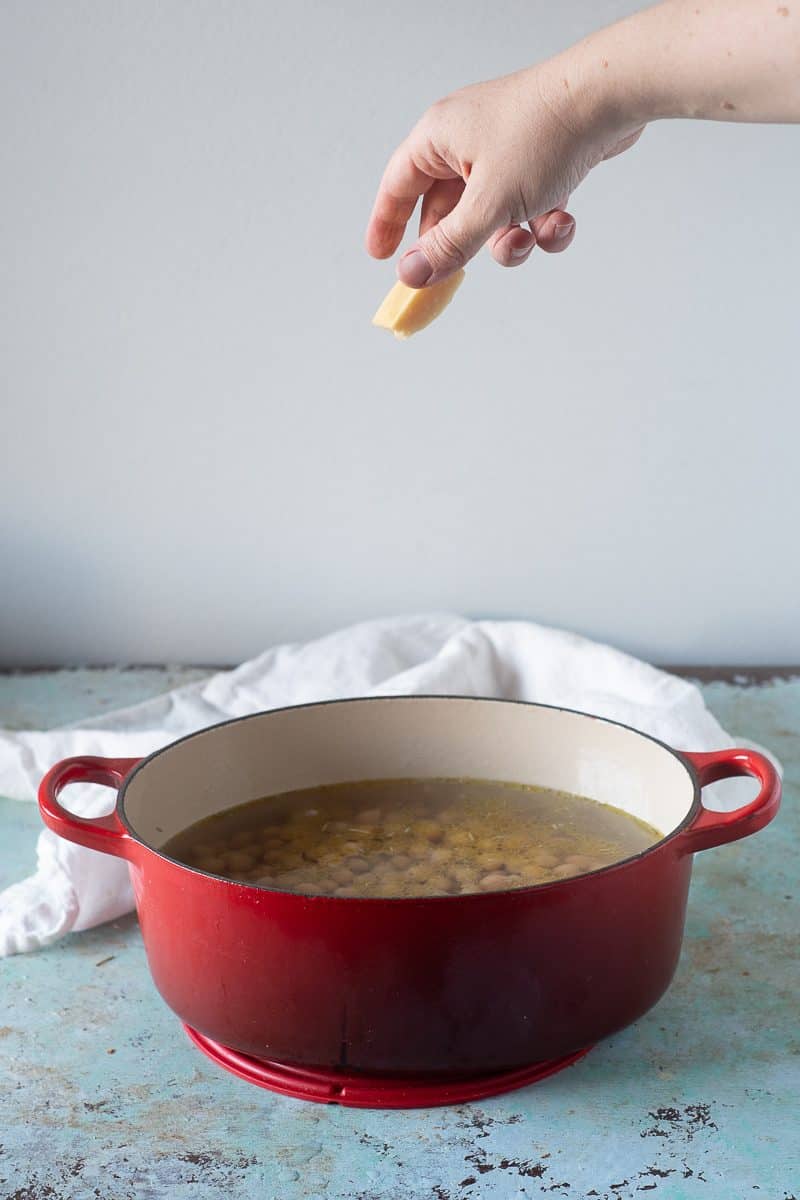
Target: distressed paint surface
(101,1094)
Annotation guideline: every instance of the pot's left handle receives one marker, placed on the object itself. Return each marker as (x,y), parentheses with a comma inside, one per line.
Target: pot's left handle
(712,828)
(98,833)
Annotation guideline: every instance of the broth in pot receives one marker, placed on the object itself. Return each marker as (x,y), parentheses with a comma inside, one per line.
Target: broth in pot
(400,838)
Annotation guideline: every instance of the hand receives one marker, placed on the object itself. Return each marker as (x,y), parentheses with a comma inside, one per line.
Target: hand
(489,159)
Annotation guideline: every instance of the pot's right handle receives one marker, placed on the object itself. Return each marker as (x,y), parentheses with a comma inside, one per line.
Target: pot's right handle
(98,833)
(711,828)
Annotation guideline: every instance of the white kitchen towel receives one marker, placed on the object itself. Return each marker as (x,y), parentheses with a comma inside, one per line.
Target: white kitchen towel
(74,888)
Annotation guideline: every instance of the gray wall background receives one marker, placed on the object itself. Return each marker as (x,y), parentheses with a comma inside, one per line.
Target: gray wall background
(206,447)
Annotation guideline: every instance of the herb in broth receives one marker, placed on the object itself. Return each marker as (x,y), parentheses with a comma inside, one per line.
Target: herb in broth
(411,837)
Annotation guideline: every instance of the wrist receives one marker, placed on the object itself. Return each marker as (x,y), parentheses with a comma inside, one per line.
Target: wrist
(588,99)
(607,81)
(621,77)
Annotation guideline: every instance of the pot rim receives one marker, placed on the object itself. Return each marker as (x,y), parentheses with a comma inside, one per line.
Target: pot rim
(690,815)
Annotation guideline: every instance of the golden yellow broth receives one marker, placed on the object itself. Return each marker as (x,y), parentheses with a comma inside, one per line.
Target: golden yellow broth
(411,837)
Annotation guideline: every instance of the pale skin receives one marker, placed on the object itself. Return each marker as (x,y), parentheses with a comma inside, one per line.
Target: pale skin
(496,163)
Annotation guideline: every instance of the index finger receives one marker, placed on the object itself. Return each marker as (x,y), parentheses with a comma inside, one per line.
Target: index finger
(402,184)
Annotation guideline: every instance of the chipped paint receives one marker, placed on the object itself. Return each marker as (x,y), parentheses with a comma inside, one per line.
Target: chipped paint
(103,1098)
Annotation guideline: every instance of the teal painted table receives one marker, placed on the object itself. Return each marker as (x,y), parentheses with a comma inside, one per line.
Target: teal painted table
(102,1096)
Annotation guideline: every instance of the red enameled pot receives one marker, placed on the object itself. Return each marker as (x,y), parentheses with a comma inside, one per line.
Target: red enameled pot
(441,988)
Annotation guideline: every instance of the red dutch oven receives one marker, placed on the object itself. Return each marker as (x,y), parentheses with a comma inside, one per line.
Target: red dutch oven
(407,1001)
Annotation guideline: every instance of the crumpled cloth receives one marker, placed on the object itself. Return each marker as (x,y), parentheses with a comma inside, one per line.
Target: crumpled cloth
(74,888)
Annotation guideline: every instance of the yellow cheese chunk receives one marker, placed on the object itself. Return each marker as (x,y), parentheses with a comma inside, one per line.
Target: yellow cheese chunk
(407,310)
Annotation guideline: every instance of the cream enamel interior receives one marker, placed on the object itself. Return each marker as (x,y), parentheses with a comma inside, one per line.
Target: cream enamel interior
(406,737)
(412,736)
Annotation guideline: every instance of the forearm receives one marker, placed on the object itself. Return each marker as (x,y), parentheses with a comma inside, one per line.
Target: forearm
(721,60)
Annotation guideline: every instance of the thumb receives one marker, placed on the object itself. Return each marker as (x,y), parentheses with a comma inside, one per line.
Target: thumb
(451,243)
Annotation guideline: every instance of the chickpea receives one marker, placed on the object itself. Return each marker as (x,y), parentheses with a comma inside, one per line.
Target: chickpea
(326,887)
(517,866)
(345,891)
(400,861)
(369,816)
(292,860)
(462,838)
(358,866)
(273,862)
(495,881)
(581,861)
(379,865)
(272,844)
(202,850)
(440,854)
(239,860)
(240,840)
(544,858)
(561,846)
(385,891)
(565,870)
(213,864)
(342,876)
(515,844)
(431,831)
(301,878)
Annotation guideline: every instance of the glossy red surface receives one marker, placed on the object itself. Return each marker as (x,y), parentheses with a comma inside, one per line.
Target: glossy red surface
(354,1090)
(447,985)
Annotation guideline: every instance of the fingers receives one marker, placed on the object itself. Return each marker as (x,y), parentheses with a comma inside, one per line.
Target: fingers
(413,171)
(457,220)
(453,241)
(554,230)
(440,200)
(511,246)
(402,184)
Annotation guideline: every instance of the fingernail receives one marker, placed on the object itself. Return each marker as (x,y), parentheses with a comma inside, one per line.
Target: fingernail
(562,231)
(414,269)
(520,251)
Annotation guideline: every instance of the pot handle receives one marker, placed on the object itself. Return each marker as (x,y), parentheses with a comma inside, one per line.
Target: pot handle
(711,828)
(98,833)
